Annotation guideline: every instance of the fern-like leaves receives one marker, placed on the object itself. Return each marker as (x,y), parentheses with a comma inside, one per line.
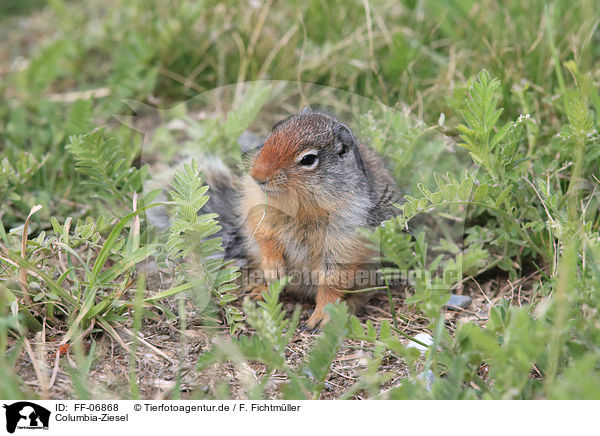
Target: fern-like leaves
(190,237)
(104,166)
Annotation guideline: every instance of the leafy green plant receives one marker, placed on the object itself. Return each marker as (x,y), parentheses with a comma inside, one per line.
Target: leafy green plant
(268,346)
(189,237)
(106,166)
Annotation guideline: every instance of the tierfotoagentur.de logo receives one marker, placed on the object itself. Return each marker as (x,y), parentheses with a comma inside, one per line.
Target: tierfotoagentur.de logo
(24,415)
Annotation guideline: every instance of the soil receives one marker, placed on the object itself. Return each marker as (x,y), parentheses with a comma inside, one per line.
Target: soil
(167,357)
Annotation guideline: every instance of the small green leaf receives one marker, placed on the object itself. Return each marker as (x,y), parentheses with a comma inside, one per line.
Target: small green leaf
(480,193)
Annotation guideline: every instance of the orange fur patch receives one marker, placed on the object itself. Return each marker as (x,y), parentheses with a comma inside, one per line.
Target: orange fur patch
(279,152)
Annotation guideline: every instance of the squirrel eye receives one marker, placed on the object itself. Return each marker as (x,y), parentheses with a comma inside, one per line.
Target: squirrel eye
(308,160)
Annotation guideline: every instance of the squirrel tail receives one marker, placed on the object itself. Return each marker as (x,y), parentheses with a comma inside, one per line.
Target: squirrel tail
(224,200)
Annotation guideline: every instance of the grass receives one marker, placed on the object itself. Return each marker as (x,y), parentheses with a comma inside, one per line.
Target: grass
(487,113)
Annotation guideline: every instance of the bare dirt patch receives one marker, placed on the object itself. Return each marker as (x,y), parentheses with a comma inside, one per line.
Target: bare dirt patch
(167,356)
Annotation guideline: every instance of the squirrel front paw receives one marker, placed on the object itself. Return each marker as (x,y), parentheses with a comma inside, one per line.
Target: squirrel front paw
(255,291)
(325,295)
(317,319)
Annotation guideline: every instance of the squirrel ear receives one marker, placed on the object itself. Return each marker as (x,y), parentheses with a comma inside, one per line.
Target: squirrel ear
(344,139)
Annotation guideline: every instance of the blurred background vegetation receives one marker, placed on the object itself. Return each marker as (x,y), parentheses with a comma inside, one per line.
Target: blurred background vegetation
(416,54)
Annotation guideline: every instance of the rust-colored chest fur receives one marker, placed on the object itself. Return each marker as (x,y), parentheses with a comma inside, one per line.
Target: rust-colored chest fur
(301,237)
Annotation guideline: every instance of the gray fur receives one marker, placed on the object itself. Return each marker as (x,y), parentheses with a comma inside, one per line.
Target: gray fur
(224,200)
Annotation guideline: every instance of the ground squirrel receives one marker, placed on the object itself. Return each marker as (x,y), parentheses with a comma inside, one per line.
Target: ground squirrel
(308,190)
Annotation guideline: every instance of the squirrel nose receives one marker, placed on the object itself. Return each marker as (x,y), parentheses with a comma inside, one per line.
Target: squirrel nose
(259,176)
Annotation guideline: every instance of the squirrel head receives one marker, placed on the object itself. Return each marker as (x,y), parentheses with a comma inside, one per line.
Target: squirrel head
(310,154)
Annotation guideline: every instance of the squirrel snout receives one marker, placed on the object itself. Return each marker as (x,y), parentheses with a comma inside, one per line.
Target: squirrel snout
(269,172)
(258,176)
(261,173)
(269,181)
(261,182)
